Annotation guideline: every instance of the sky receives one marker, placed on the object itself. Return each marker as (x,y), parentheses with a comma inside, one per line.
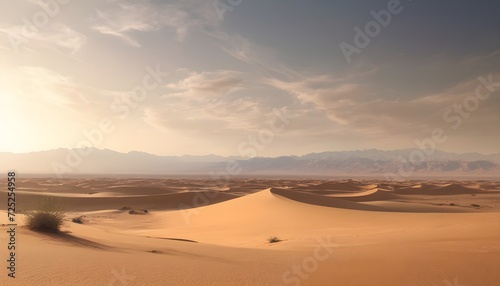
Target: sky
(249,78)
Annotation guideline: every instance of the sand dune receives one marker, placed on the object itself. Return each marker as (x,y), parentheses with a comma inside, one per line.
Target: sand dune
(99,201)
(334,202)
(422,233)
(348,186)
(374,194)
(449,189)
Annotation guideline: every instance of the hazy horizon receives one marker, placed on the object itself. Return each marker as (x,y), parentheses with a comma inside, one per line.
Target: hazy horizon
(236,155)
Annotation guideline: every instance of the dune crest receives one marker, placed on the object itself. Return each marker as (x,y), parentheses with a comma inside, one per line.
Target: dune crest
(369,232)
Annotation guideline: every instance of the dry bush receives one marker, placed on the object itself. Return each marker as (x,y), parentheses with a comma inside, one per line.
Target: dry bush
(273,239)
(46,216)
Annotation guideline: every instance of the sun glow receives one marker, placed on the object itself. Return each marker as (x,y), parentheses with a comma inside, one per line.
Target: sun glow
(14,124)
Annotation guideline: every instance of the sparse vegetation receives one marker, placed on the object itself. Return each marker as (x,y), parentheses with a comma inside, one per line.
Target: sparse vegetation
(156,251)
(273,239)
(46,216)
(79,219)
(139,212)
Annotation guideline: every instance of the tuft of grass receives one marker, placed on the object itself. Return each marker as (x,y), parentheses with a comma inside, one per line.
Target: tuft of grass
(46,216)
(78,219)
(273,239)
(139,212)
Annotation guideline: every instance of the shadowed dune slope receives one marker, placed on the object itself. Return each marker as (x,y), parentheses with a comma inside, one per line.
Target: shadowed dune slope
(86,202)
(325,201)
(450,189)
(356,202)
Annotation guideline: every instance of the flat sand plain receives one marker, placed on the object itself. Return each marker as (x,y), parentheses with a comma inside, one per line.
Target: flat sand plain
(332,232)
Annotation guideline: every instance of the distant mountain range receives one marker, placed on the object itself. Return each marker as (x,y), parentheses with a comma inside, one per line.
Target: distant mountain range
(374,162)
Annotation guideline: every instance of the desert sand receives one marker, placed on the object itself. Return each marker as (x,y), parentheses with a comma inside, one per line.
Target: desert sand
(332,232)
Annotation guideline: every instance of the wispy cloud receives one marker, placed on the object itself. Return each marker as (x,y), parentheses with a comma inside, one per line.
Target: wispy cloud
(146,16)
(55,35)
(201,102)
(208,84)
(358,107)
(226,76)
(55,91)
(241,115)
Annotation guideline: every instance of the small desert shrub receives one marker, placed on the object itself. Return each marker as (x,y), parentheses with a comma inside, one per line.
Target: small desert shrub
(46,216)
(78,219)
(139,212)
(273,239)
